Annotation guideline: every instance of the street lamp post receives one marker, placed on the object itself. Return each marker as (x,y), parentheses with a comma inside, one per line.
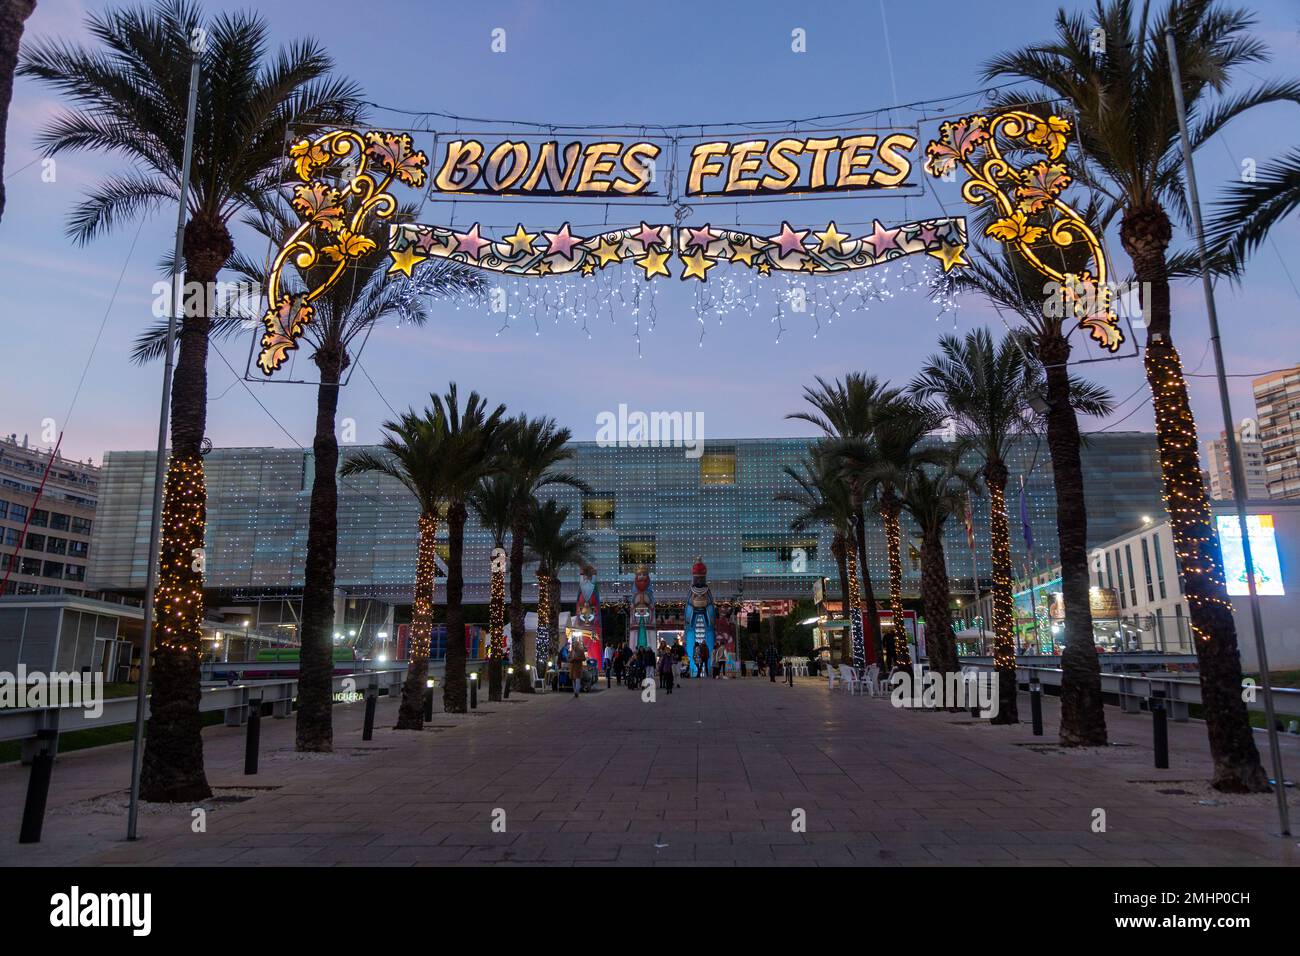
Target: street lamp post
(1236,470)
(160,460)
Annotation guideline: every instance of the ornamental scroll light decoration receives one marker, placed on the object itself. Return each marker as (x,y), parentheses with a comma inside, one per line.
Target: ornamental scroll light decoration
(381,158)
(1024,196)
(337,222)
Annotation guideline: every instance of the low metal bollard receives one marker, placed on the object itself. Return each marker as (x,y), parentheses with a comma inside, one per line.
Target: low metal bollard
(510,676)
(1160,728)
(473,691)
(368,727)
(38,787)
(428,700)
(1036,705)
(253,737)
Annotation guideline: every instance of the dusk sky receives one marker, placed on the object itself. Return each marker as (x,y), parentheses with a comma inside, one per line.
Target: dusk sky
(661,62)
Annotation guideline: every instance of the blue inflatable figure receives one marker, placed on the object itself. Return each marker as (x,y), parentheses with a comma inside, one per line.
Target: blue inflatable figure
(700,615)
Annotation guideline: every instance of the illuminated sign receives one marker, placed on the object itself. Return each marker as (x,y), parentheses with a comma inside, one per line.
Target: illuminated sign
(1263,551)
(524,166)
(346,175)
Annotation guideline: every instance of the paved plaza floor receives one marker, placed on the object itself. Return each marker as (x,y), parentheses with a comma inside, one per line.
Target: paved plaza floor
(731,772)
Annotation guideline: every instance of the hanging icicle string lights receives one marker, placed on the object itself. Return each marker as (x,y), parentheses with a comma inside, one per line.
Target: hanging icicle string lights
(620,295)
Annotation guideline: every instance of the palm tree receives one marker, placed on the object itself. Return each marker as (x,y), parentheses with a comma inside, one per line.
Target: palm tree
(344,317)
(898,428)
(133,98)
(493,502)
(12,18)
(432,454)
(469,454)
(985,390)
(531,451)
(1008,283)
(1128,131)
(931,495)
(1249,212)
(821,498)
(552,547)
(845,411)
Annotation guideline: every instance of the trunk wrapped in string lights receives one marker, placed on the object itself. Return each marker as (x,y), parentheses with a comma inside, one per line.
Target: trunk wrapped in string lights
(410,715)
(497,622)
(1004,642)
(858,646)
(543,620)
(889,510)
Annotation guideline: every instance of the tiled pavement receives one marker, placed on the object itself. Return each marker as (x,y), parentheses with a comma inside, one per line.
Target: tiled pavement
(711,775)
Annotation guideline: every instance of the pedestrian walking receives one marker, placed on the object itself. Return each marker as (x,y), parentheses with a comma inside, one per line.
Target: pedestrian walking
(577,659)
(772,658)
(666,671)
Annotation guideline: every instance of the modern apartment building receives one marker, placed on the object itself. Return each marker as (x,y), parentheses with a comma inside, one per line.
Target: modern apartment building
(1277,408)
(1251,452)
(50,557)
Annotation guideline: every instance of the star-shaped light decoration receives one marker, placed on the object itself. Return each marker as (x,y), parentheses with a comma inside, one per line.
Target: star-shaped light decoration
(928,235)
(697,265)
(654,262)
(788,241)
(562,243)
(950,254)
(764,268)
(471,243)
(830,239)
(588,267)
(521,241)
(404,260)
(809,265)
(426,241)
(881,239)
(607,251)
(745,251)
(543,267)
(649,236)
(700,237)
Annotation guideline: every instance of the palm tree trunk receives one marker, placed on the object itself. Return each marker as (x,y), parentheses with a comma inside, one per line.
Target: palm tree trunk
(1145,233)
(12,17)
(454,691)
(838,549)
(1004,641)
(854,601)
(1083,719)
(518,649)
(410,713)
(936,597)
(172,769)
(890,508)
(496,632)
(870,610)
(315,730)
(543,618)
(556,591)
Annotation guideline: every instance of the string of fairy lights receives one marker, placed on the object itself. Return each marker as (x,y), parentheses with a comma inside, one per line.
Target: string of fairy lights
(1004,643)
(619,295)
(1184,494)
(543,620)
(893,546)
(179,595)
(425,567)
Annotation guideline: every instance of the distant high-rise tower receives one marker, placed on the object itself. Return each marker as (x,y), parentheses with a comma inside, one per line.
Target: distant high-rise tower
(1277,407)
(1251,451)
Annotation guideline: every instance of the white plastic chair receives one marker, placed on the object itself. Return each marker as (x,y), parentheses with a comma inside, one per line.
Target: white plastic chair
(871,680)
(847,676)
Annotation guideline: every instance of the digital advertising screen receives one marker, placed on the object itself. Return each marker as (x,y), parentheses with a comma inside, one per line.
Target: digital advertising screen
(1263,551)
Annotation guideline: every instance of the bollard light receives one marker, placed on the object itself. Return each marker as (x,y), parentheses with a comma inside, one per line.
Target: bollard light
(429,683)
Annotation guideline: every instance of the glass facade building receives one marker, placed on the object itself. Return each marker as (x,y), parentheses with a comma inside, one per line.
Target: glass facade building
(648,505)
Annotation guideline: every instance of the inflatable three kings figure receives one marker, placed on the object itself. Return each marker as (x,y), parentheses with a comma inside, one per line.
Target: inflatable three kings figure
(641,629)
(700,615)
(586,613)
